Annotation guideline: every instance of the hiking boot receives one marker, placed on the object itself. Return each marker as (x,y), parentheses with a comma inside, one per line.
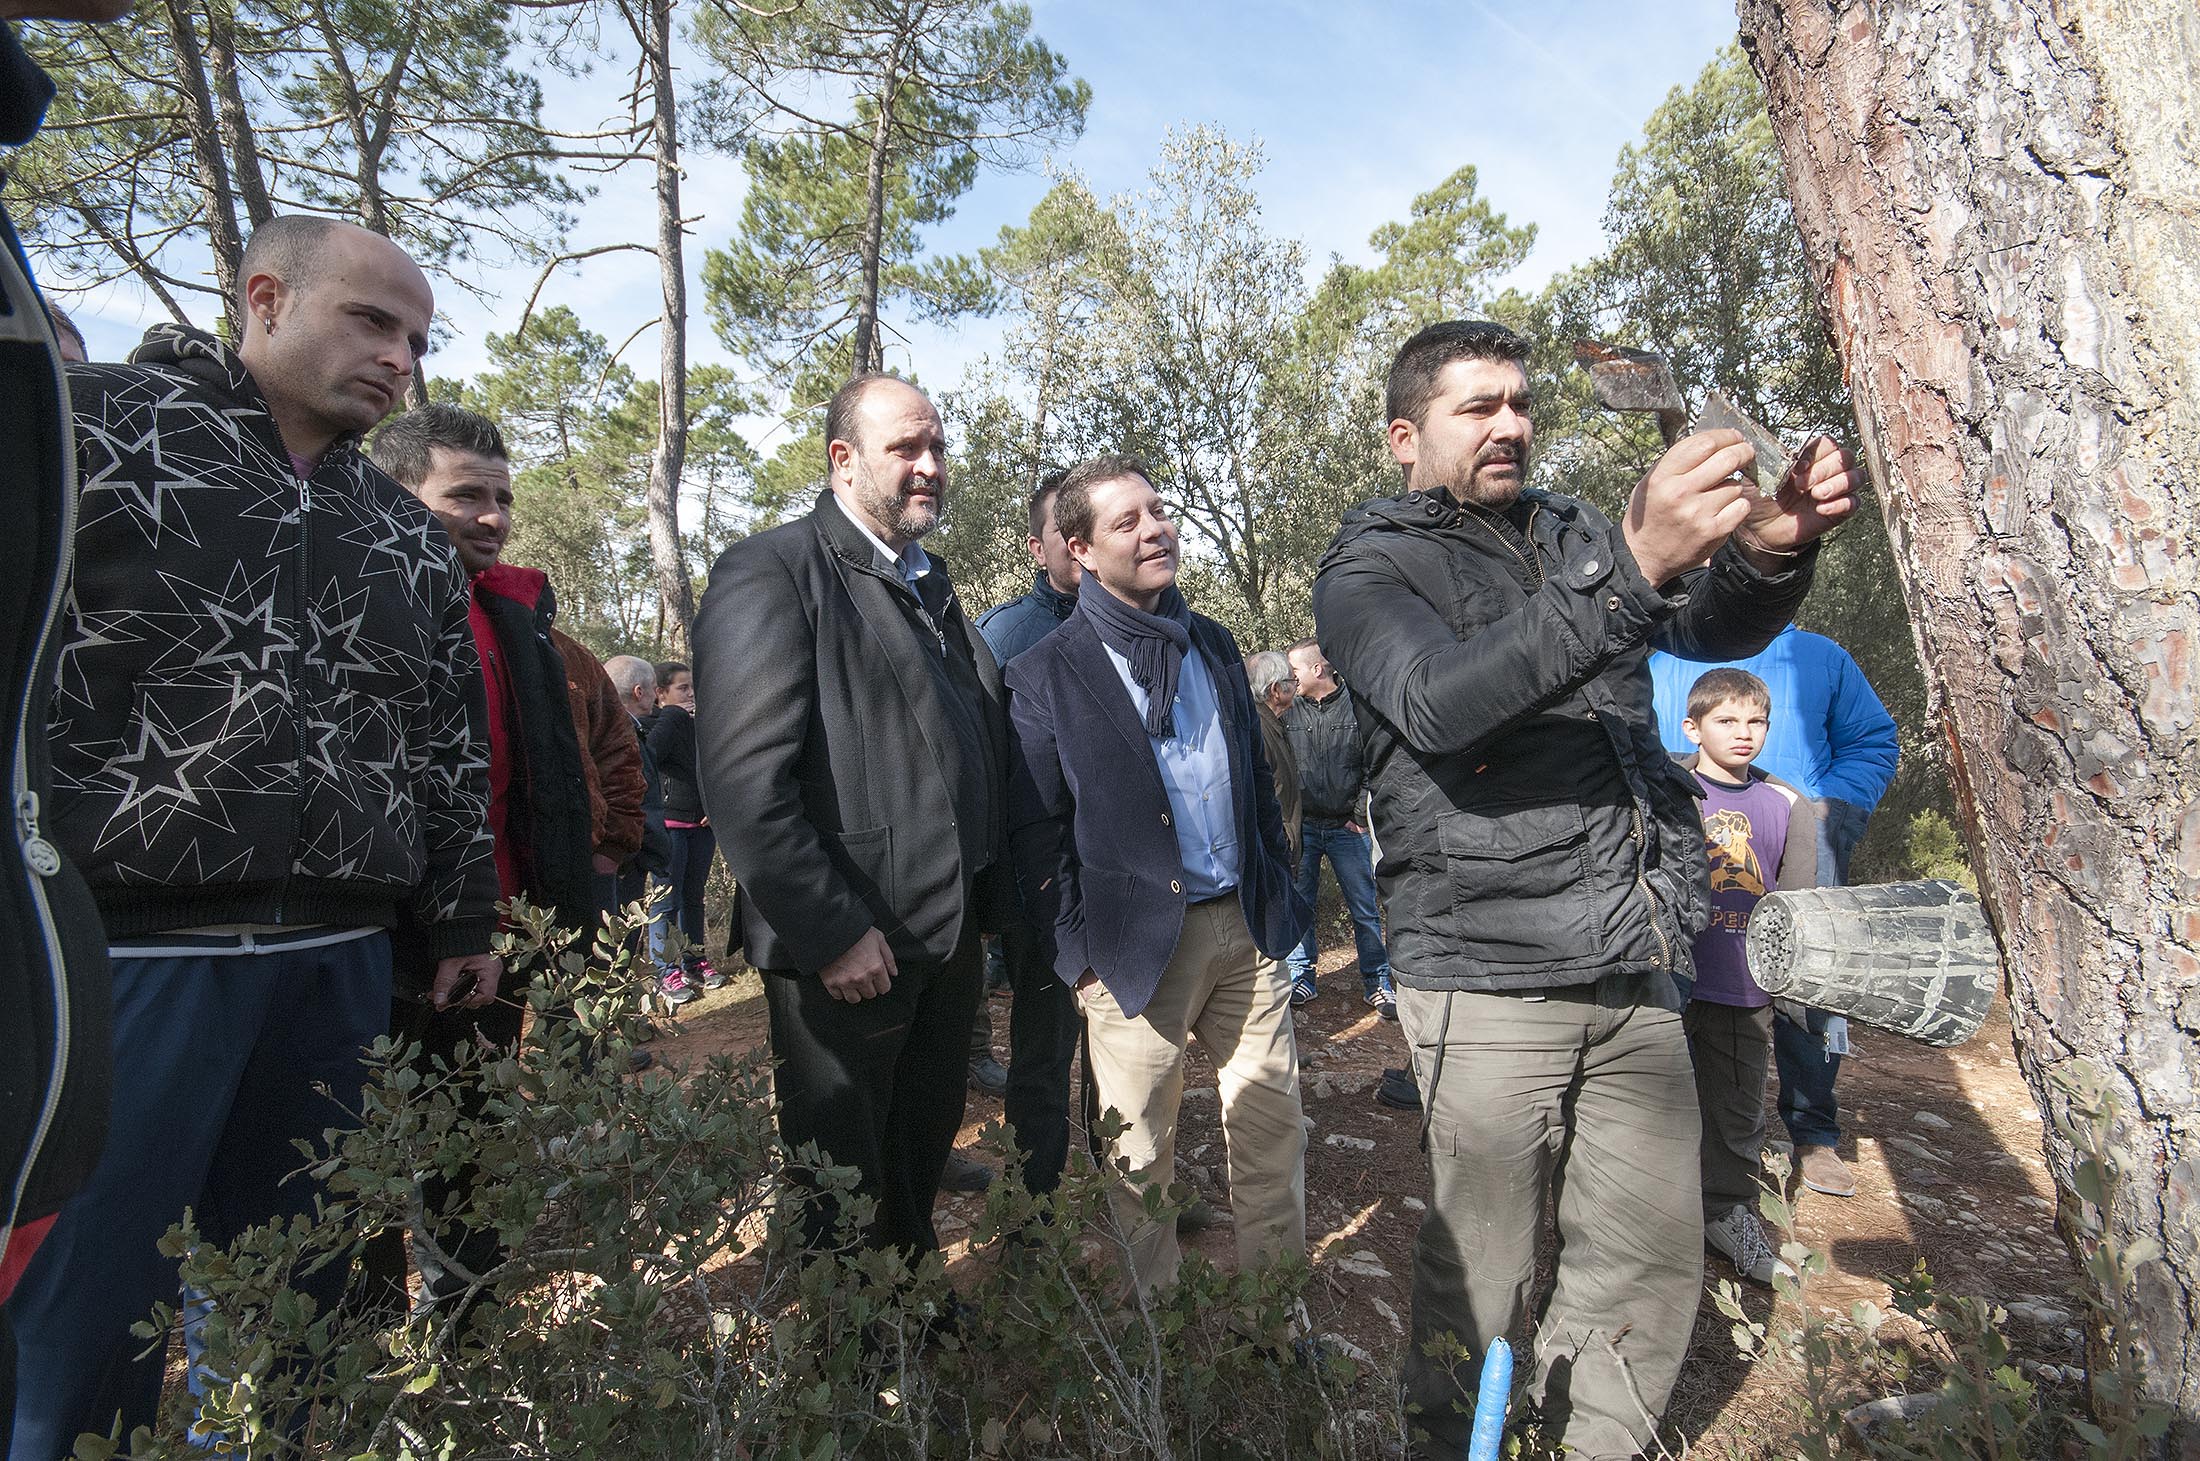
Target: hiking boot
(673,985)
(988,1077)
(1822,1170)
(704,972)
(964,1175)
(1740,1238)
(1303,990)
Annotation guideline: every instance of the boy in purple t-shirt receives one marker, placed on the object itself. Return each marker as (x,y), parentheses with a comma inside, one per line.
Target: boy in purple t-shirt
(1762,836)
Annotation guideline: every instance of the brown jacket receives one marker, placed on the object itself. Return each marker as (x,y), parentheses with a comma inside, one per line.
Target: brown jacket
(611,758)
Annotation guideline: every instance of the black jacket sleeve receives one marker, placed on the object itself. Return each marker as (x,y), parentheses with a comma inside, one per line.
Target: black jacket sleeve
(455,902)
(1447,695)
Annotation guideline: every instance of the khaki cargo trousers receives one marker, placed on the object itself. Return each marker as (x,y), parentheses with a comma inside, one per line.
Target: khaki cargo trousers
(1585,1093)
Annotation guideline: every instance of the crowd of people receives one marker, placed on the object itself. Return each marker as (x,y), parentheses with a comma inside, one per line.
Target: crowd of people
(298,731)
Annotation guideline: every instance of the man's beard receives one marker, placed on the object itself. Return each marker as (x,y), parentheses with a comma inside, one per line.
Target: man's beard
(1473,487)
(883,505)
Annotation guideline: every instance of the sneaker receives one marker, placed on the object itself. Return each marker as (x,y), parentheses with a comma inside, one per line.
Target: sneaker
(1822,1170)
(1738,1235)
(988,1077)
(1302,988)
(704,972)
(1381,1000)
(673,985)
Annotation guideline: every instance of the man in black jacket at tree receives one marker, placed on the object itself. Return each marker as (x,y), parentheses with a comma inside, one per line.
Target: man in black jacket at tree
(852,742)
(1544,862)
(267,731)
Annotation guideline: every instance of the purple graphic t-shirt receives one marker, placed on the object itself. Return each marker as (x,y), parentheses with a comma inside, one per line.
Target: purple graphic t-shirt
(1746,827)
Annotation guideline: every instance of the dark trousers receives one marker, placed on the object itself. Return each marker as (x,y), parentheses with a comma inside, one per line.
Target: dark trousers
(1043,1028)
(1730,1047)
(878,1085)
(692,849)
(216,1064)
(1352,858)
(447,1034)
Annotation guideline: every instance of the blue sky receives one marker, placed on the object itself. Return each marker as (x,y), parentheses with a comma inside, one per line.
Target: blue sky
(1359,107)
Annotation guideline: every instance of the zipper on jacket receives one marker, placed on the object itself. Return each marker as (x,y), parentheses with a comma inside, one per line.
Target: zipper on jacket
(39,854)
(302,617)
(1528,560)
(896,583)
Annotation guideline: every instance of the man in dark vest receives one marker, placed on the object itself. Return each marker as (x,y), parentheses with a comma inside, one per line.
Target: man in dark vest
(1150,851)
(852,742)
(55,1062)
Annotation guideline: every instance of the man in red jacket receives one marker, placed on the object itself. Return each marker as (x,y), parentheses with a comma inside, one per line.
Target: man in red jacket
(565,769)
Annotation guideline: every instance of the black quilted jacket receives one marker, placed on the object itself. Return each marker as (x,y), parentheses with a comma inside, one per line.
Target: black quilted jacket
(269,709)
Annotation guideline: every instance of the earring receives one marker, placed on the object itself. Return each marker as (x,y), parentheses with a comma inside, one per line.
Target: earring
(267,323)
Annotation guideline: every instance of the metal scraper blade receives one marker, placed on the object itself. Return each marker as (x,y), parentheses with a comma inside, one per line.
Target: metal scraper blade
(1772,459)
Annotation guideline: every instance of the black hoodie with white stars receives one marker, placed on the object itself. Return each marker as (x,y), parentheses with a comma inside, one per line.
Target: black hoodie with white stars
(269,710)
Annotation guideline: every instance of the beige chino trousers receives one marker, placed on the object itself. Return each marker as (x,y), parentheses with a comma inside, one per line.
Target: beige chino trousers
(1220,987)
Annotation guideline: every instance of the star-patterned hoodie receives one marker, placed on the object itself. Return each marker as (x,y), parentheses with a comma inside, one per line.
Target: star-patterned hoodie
(269,710)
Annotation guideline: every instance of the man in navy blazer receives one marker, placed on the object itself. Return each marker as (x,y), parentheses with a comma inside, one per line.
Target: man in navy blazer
(1151,853)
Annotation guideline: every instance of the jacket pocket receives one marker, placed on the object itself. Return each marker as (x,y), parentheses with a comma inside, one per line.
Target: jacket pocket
(1519,882)
(866,859)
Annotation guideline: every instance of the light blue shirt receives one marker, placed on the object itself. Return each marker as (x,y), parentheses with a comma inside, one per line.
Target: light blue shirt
(912,562)
(1195,771)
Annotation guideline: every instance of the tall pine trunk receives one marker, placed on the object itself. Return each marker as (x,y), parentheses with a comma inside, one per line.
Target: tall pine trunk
(868,352)
(211,159)
(676,594)
(1998,199)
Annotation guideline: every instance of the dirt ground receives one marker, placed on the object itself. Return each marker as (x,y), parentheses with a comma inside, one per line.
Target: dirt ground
(1945,1145)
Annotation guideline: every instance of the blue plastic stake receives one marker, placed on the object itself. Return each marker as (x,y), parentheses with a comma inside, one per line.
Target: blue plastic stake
(1491,1403)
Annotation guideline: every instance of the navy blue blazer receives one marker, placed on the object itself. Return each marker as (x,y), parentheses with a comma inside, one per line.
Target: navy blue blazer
(1089,817)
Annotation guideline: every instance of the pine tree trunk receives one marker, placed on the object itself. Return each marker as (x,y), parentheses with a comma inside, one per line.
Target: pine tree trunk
(675,592)
(223,239)
(869,353)
(1998,199)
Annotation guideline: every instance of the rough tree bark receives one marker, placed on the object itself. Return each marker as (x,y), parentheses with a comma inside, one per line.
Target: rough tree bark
(2001,202)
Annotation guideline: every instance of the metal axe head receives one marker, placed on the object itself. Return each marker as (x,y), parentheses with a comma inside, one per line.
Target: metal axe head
(1634,380)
